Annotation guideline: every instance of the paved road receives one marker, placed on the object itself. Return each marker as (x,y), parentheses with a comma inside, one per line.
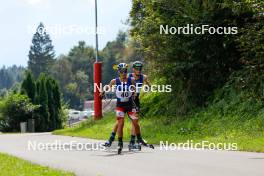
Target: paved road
(145,163)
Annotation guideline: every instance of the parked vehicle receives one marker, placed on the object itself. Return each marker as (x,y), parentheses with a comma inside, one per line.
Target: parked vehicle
(88,113)
(74,114)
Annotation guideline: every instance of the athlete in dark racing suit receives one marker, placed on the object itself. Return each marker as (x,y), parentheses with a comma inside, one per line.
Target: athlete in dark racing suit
(125,92)
(139,80)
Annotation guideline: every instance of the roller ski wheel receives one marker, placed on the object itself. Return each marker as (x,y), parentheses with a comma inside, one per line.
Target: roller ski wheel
(139,147)
(119,148)
(129,147)
(151,146)
(145,144)
(119,151)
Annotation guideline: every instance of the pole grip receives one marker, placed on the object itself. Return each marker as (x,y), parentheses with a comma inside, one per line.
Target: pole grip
(97,99)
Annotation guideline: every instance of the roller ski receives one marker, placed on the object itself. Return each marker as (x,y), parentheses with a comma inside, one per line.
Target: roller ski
(142,142)
(119,148)
(133,146)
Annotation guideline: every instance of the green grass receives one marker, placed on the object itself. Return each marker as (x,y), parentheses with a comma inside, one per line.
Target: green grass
(207,125)
(233,119)
(13,166)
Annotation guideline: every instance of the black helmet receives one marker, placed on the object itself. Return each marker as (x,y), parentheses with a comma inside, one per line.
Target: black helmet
(137,65)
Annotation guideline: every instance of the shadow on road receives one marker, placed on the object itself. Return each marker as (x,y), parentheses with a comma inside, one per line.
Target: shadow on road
(113,152)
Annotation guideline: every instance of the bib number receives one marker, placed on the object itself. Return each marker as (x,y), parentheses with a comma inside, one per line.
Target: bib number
(123,96)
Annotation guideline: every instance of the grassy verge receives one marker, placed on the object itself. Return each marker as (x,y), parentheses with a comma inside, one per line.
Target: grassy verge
(235,119)
(203,126)
(13,166)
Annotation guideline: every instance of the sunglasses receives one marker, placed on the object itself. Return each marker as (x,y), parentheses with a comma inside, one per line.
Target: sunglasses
(122,71)
(138,68)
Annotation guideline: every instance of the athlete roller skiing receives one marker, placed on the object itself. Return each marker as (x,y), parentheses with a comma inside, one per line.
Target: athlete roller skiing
(137,79)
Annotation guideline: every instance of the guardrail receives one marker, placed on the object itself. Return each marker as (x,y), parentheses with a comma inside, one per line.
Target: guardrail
(74,122)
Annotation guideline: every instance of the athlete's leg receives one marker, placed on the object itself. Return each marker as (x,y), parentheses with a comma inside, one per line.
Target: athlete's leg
(133,134)
(136,110)
(133,131)
(134,117)
(120,126)
(120,115)
(112,136)
(136,126)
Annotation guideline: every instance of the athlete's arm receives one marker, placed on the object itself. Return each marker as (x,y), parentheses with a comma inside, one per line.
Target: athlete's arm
(112,83)
(133,82)
(108,88)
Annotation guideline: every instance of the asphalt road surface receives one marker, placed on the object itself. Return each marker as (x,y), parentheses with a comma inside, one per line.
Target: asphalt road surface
(147,162)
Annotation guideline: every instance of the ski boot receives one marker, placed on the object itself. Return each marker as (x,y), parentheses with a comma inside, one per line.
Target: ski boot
(133,146)
(108,143)
(119,148)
